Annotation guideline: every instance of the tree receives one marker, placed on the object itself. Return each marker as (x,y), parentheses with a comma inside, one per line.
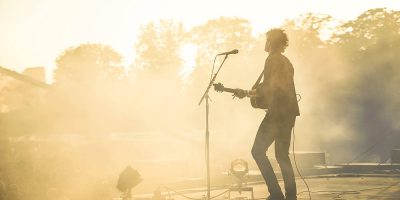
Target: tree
(371,27)
(87,64)
(86,89)
(156,70)
(306,30)
(368,99)
(158,48)
(218,35)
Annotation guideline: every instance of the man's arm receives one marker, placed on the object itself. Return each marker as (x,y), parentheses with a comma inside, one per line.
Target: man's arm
(274,80)
(245,93)
(252,93)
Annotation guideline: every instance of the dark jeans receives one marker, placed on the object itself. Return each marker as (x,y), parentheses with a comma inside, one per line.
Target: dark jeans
(271,130)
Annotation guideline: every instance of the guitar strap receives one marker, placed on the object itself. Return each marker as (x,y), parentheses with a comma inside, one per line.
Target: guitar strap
(258,80)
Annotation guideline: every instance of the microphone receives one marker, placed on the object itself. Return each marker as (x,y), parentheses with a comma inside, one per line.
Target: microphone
(235,51)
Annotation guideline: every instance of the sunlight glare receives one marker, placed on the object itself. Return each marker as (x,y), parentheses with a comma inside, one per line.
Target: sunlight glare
(188,54)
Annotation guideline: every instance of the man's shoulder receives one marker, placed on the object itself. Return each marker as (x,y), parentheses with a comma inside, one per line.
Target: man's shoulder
(281,59)
(278,56)
(277,59)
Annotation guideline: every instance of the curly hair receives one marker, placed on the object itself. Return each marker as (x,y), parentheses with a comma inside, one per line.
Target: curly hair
(278,39)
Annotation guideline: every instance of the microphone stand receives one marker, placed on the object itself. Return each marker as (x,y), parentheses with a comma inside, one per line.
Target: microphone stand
(207,97)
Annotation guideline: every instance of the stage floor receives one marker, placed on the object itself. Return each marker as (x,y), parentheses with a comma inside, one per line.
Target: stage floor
(322,187)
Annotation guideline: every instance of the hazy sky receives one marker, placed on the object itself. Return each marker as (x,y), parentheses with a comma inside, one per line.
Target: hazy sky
(35,32)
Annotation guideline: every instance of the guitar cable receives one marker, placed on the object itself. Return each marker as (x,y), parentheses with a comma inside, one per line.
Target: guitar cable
(294,157)
(297,168)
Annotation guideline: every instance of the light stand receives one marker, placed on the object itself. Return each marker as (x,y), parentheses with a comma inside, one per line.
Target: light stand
(206,96)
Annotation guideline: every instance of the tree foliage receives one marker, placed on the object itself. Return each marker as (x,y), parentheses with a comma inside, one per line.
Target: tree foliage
(222,34)
(158,47)
(87,63)
(358,65)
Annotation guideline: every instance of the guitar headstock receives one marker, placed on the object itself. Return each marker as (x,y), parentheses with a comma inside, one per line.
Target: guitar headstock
(219,87)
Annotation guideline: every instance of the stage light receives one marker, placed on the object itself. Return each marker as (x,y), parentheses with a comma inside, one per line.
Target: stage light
(128,179)
(239,168)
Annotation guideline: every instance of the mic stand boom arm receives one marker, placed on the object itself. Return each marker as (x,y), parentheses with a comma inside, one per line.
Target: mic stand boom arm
(212,81)
(205,96)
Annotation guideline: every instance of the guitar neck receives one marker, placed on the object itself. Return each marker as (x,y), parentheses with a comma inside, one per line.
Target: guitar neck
(230,90)
(220,88)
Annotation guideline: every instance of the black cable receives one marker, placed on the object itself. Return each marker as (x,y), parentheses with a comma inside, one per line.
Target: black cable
(295,163)
(340,192)
(388,157)
(298,99)
(383,161)
(192,198)
(180,194)
(362,154)
(219,194)
(343,192)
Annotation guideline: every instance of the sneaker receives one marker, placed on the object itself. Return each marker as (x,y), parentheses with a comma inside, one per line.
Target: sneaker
(291,198)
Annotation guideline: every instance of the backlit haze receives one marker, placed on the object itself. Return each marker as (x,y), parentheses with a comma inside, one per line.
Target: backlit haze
(35,32)
(125,78)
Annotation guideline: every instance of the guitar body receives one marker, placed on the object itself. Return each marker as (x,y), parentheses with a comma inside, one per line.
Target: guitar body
(258,101)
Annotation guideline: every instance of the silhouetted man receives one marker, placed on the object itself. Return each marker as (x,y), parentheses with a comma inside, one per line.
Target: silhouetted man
(279,93)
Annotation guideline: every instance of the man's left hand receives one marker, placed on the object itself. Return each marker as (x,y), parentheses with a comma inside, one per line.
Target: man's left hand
(240,93)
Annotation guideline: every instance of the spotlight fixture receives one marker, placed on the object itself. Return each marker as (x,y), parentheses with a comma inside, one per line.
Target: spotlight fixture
(239,168)
(128,179)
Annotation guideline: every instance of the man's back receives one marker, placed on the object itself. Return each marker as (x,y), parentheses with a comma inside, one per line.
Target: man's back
(279,86)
